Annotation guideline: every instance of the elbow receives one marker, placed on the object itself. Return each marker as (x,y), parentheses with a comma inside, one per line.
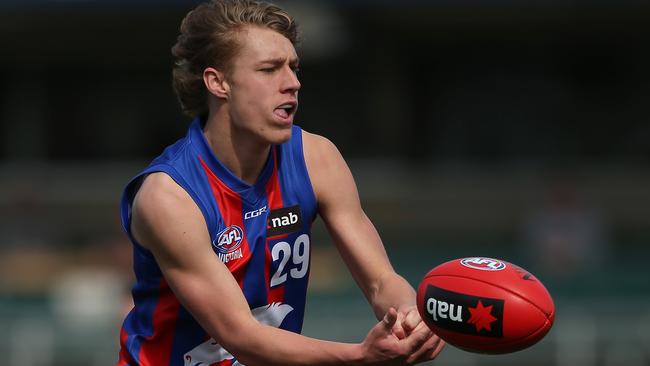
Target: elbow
(230,339)
(245,343)
(258,344)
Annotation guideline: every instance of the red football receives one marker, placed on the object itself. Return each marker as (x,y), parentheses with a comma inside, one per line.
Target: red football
(485,305)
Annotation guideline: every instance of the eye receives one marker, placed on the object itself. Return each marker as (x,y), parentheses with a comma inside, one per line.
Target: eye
(267,70)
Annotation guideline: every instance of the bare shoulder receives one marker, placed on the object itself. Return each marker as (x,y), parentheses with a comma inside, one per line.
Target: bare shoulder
(321,156)
(158,191)
(159,205)
(318,149)
(328,171)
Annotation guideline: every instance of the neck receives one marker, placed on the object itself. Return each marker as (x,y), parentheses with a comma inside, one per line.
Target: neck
(241,153)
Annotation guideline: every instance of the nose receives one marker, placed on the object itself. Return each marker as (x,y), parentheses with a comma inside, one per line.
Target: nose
(290,82)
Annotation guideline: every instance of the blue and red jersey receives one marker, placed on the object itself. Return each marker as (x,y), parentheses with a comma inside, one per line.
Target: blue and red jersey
(261,232)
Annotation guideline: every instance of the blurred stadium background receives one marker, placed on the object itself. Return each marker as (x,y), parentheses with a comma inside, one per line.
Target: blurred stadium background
(517,130)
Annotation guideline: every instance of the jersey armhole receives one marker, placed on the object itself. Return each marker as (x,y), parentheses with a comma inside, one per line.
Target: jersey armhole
(134,185)
(300,149)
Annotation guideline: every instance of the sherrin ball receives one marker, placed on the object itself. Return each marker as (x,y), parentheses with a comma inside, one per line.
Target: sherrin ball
(485,305)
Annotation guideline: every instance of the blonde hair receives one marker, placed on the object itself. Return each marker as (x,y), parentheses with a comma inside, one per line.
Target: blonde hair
(208,39)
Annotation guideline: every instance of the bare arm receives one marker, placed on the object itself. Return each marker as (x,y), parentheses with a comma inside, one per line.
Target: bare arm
(354,234)
(168,223)
(360,245)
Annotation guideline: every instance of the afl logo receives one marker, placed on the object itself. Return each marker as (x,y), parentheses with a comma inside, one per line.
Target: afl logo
(228,240)
(484,264)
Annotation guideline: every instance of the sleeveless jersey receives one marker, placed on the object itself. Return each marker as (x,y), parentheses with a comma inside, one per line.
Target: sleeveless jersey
(261,232)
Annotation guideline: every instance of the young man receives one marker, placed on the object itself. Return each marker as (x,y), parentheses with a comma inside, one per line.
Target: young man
(220,221)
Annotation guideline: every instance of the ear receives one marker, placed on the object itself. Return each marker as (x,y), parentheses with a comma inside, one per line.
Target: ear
(215,82)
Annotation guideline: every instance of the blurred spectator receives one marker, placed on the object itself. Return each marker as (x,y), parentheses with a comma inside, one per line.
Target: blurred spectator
(565,236)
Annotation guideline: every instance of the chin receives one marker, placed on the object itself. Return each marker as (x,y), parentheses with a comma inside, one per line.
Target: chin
(274,135)
(281,136)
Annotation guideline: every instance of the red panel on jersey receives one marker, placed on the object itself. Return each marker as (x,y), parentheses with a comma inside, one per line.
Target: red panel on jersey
(274,197)
(125,357)
(156,350)
(230,206)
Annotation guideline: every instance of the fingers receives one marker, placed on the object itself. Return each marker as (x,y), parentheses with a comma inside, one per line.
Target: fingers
(437,350)
(411,319)
(440,344)
(418,345)
(390,318)
(408,319)
(418,337)
(398,329)
(429,350)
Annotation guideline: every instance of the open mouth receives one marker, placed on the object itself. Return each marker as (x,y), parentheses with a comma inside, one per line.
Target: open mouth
(285,110)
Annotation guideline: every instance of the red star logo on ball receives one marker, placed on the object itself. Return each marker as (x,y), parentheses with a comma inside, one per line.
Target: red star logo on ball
(481,317)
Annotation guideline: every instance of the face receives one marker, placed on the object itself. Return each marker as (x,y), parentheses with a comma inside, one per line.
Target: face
(263,86)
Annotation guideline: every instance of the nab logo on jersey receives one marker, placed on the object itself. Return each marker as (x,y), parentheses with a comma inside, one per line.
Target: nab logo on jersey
(228,243)
(284,221)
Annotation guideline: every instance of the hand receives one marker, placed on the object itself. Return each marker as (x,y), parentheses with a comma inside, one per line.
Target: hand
(383,347)
(409,322)
(408,319)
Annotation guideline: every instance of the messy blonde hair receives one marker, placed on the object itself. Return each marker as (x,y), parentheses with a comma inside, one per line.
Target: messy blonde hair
(208,39)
